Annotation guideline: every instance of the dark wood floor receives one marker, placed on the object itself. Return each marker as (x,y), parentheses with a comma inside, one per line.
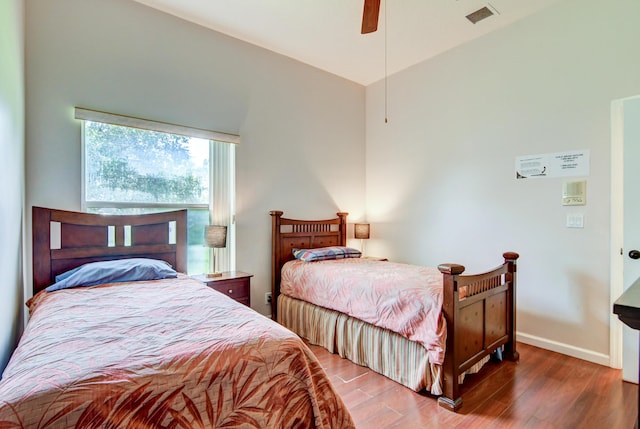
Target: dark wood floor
(544,390)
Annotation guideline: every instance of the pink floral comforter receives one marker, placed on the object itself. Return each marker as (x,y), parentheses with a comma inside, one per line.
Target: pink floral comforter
(405,299)
(164,353)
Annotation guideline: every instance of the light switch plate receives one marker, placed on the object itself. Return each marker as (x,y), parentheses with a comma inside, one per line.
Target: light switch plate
(575,220)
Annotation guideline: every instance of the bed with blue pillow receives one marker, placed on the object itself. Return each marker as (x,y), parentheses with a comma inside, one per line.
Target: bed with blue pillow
(119,336)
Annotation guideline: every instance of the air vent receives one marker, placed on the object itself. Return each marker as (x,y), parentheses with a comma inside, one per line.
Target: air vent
(480,14)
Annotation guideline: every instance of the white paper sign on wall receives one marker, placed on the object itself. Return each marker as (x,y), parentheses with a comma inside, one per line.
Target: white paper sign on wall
(561,164)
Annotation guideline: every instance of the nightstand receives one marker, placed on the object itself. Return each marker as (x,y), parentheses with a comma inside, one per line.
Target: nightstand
(234,284)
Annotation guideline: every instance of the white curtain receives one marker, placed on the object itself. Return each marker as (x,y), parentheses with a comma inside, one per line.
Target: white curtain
(222,210)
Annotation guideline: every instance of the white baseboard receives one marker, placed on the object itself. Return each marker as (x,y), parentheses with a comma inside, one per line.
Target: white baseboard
(565,349)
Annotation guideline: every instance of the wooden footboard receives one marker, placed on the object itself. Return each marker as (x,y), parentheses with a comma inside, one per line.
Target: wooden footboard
(480,314)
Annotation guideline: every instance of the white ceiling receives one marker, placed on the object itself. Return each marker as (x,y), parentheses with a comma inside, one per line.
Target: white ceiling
(326,33)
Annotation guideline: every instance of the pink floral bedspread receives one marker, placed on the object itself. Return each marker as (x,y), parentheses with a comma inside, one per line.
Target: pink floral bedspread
(406,299)
(164,353)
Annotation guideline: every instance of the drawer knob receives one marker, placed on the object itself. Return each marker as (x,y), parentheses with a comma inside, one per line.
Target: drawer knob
(230,290)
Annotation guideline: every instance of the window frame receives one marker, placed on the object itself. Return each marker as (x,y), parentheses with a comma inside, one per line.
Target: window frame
(224,217)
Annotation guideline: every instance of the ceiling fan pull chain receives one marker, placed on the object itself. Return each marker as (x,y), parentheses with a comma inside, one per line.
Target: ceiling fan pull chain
(386,74)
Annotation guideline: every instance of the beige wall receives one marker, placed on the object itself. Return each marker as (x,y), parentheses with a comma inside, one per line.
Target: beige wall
(302,129)
(439,179)
(442,169)
(11,174)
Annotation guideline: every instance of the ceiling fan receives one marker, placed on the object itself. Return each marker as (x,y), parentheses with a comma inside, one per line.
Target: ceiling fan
(370,16)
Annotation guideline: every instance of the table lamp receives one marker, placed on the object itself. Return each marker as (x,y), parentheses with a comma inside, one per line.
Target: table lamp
(361,231)
(215,237)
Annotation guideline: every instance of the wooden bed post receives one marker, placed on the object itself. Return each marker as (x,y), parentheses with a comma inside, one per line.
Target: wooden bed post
(276,216)
(510,352)
(41,227)
(451,398)
(343,227)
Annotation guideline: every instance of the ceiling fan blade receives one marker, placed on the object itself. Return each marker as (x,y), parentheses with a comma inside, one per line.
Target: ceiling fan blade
(370,16)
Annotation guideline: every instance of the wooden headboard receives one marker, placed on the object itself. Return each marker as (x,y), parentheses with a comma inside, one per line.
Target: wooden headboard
(287,234)
(80,238)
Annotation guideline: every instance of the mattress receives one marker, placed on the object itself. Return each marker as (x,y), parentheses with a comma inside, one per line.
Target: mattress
(405,299)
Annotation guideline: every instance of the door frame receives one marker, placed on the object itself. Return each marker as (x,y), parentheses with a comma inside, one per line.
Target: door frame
(617,226)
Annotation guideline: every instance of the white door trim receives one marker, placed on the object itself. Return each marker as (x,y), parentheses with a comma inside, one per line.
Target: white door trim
(617,230)
(617,226)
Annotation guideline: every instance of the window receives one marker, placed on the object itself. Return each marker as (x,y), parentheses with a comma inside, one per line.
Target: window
(133,166)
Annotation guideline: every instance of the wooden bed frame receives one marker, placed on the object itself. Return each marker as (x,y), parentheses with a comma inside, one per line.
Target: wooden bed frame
(477,324)
(84,238)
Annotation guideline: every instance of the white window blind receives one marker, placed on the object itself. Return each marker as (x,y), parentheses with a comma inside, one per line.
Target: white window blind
(223,200)
(146,124)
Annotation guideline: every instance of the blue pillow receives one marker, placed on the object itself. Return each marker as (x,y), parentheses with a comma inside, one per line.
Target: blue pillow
(326,253)
(120,270)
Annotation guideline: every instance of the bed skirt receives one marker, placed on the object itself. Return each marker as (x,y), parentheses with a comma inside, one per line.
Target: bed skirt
(381,350)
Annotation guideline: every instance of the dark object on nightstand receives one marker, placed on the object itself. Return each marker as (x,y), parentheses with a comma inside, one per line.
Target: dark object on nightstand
(375,258)
(234,284)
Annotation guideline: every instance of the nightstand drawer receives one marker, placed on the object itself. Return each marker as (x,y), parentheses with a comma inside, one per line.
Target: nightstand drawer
(237,289)
(234,284)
